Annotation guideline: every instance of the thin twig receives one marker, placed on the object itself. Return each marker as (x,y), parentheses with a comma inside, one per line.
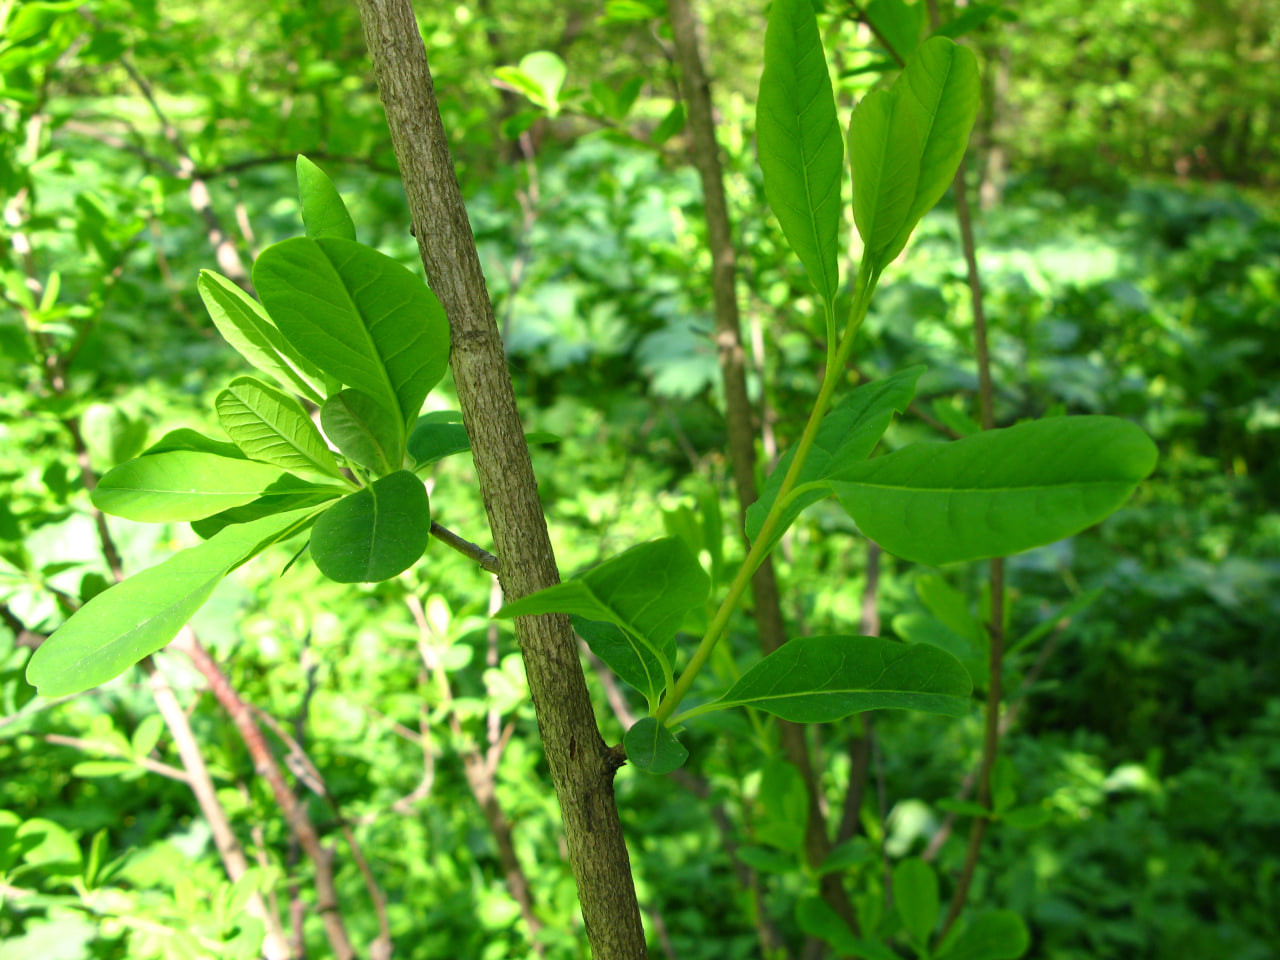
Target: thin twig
(479,554)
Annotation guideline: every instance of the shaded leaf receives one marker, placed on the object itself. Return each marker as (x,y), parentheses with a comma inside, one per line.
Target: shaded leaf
(915,897)
(991,935)
(181,485)
(629,658)
(653,748)
(374,533)
(798,137)
(818,679)
(998,492)
(271,426)
(287,493)
(364,430)
(323,212)
(898,23)
(359,316)
(137,617)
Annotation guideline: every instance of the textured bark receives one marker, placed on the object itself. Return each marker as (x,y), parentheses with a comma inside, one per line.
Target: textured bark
(705,155)
(582,767)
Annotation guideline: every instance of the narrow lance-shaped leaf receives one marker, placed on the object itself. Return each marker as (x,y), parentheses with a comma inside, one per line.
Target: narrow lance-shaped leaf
(133,619)
(271,426)
(323,212)
(819,679)
(286,494)
(799,141)
(245,325)
(997,492)
(846,437)
(359,316)
(364,430)
(181,485)
(653,748)
(375,533)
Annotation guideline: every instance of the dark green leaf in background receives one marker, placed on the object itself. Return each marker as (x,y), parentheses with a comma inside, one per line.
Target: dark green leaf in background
(915,897)
(271,426)
(323,212)
(819,679)
(375,533)
(133,619)
(989,935)
(798,137)
(358,315)
(897,24)
(181,485)
(364,430)
(653,748)
(997,492)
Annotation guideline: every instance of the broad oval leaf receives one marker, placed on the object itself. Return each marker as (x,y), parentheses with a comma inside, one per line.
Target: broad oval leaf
(364,430)
(846,437)
(375,533)
(819,679)
(181,485)
(359,316)
(915,897)
(323,212)
(271,426)
(245,325)
(798,138)
(137,617)
(906,142)
(997,492)
(653,748)
(438,435)
(990,935)
(629,658)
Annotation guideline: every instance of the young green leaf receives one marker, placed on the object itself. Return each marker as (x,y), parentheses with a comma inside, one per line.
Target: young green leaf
(375,533)
(915,897)
(181,485)
(192,440)
(799,142)
(990,935)
(271,426)
(364,430)
(438,435)
(906,142)
(653,748)
(998,492)
(647,591)
(245,325)
(819,679)
(323,212)
(359,316)
(845,438)
(133,619)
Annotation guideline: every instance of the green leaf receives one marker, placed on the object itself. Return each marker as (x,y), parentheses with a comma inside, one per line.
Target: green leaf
(133,619)
(653,748)
(110,436)
(915,897)
(897,24)
(906,142)
(991,935)
(147,735)
(323,212)
(647,591)
(438,435)
(271,426)
(972,17)
(629,658)
(998,492)
(783,804)
(819,679)
(186,439)
(245,325)
(670,125)
(359,316)
(364,430)
(846,437)
(181,485)
(287,493)
(375,533)
(798,138)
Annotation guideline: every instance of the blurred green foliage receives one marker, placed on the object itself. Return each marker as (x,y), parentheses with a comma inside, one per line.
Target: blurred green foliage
(1122,276)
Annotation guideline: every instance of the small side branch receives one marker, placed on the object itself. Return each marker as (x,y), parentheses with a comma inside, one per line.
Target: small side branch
(465,547)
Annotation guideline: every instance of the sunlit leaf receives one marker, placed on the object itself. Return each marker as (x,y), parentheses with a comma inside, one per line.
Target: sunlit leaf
(271,426)
(375,533)
(181,485)
(323,212)
(364,430)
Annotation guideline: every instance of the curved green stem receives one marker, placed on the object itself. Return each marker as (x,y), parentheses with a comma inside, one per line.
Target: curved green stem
(761,545)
